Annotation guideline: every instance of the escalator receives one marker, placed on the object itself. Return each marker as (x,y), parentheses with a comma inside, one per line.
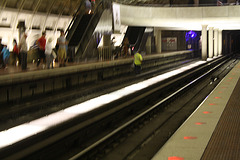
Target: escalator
(75,22)
(81,30)
(135,35)
(142,46)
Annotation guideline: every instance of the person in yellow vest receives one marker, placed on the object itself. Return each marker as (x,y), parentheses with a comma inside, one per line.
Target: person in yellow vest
(137,62)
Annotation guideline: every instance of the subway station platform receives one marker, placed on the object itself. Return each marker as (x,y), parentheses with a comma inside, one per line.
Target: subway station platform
(17,85)
(11,69)
(212,132)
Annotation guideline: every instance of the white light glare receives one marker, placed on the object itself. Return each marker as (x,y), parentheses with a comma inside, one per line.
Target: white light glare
(18,133)
(91,104)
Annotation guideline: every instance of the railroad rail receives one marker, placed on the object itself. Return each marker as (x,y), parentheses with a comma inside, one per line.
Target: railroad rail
(79,136)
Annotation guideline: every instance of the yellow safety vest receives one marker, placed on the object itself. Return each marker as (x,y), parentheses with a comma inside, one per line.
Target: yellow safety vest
(138,59)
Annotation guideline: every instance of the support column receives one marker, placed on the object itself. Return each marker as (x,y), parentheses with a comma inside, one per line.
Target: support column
(106,40)
(215,42)
(158,39)
(210,42)
(204,42)
(220,42)
(105,52)
(149,45)
(196,3)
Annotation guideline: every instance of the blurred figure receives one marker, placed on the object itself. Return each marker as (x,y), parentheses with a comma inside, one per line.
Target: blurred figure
(113,45)
(16,55)
(41,42)
(137,62)
(115,49)
(62,52)
(6,54)
(93,5)
(125,46)
(219,3)
(48,53)
(88,7)
(1,55)
(23,51)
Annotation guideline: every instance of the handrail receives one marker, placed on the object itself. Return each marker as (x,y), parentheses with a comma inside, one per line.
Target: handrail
(138,41)
(74,18)
(100,4)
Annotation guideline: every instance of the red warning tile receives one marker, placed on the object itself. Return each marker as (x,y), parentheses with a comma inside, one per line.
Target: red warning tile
(175,158)
(220,92)
(206,112)
(217,97)
(200,123)
(231,78)
(224,87)
(189,137)
(212,104)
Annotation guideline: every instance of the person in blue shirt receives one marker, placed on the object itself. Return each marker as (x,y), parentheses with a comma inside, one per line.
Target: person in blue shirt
(1,56)
(6,55)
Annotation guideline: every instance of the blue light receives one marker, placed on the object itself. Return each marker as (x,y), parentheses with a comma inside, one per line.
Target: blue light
(190,35)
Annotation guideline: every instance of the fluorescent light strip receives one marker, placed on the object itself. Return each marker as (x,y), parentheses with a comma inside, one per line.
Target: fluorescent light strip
(18,133)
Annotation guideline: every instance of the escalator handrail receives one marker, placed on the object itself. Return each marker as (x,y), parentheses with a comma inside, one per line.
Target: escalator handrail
(74,18)
(143,42)
(100,4)
(139,39)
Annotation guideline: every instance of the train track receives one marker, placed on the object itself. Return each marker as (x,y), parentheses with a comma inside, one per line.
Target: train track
(98,134)
(137,138)
(44,105)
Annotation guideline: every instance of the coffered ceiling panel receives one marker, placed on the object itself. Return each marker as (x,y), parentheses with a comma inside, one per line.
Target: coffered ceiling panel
(59,7)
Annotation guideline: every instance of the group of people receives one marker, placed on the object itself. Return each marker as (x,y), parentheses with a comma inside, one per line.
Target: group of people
(19,52)
(45,50)
(46,53)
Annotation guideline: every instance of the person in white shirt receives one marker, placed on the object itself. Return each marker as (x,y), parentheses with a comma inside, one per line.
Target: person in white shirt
(62,53)
(48,53)
(23,51)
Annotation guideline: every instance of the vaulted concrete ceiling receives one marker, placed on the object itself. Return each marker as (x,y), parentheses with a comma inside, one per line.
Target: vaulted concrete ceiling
(63,7)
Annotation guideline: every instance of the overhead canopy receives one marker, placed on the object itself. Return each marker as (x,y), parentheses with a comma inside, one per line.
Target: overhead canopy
(182,18)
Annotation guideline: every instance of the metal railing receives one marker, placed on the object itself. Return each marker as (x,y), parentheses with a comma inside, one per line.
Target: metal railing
(105,53)
(158,3)
(81,47)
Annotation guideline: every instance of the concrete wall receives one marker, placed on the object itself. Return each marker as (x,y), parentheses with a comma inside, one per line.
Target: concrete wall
(181,41)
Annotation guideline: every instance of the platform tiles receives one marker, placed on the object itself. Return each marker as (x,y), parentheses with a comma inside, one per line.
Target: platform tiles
(191,139)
